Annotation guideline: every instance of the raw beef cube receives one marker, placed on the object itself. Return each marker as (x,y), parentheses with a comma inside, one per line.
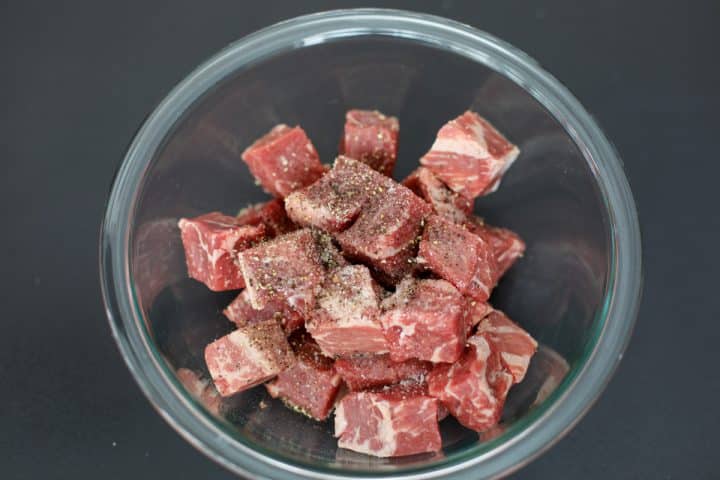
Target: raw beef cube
(459,256)
(311,384)
(335,201)
(241,313)
(361,372)
(212,242)
(473,389)
(271,214)
(515,346)
(346,319)
(425,319)
(476,311)
(390,422)
(247,357)
(286,269)
(201,389)
(470,156)
(444,201)
(385,234)
(372,138)
(283,160)
(507,245)
(330,257)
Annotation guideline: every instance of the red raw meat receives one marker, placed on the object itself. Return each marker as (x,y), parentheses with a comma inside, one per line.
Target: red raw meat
(212,242)
(473,389)
(241,313)
(201,389)
(346,319)
(371,138)
(507,245)
(247,357)
(283,160)
(475,313)
(285,269)
(389,422)
(444,201)
(361,372)
(335,201)
(425,319)
(459,256)
(470,155)
(514,345)
(271,214)
(385,235)
(330,257)
(311,384)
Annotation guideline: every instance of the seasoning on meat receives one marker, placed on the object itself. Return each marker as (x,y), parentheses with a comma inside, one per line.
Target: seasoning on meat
(361,372)
(212,242)
(270,214)
(247,357)
(444,201)
(283,160)
(371,138)
(241,313)
(425,319)
(470,155)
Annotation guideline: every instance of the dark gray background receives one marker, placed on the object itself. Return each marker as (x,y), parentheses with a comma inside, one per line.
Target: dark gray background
(77,80)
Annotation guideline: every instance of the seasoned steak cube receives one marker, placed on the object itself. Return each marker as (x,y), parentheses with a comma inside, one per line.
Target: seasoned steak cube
(247,357)
(361,372)
(346,319)
(241,313)
(459,256)
(372,138)
(507,246)
(335,201)
(330,257)
(285,269)
(476,311)
(444,201)
(474,388)
(425,319)
(212,243)
(270,214)
(283,160)
(385,234)
(201,389)
(311,384)
(470,155)
(389,422)
(514,345)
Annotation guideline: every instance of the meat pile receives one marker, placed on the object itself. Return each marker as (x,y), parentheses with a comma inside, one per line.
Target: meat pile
(351,278)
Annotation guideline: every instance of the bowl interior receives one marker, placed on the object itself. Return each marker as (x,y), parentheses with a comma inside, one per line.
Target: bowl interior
(550,197)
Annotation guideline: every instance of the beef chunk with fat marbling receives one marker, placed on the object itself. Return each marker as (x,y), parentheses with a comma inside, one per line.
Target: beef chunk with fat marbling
(469,155)
(212,243)
(283,160)
(241,313)
(425,319)
(514,345)
(311,385)
(361,372)
(270,214)
(248,357)
(444,201)
(507,246)
(371,138)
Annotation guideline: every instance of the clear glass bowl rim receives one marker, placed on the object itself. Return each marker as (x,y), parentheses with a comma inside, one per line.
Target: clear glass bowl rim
(525,439)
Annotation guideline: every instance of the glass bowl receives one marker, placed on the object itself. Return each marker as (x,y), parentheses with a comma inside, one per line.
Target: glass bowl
(576,290)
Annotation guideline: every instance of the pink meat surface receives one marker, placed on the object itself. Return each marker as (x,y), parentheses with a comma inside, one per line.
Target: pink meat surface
(335,201)
(270,214)
(311,385)
(444,201)
(507,246)
(389,422)
(361,372)
(476,311)
(473,389)
(346,319)
(247,357)
(286,269)
(425,319)
(459,256)
(514,345)
(201,389)
(470,155)
(212,243)
(371,138)
(241,313)
(385,234)
(283,160)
